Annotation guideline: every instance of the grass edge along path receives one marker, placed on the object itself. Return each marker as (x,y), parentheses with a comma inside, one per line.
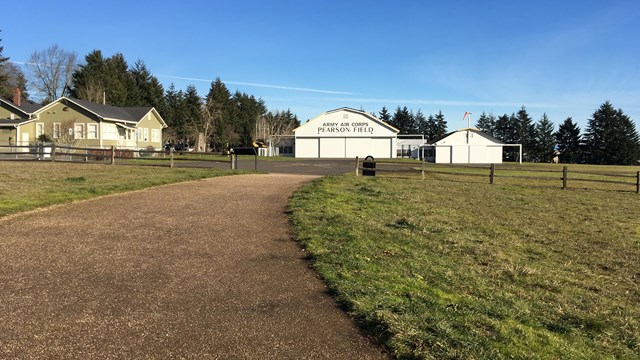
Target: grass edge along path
(28,186)
(445,269)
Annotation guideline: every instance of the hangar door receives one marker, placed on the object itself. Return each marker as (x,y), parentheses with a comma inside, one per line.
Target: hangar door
(340,147)
(352,147)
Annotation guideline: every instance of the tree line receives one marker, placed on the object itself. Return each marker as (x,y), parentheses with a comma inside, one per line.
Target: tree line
(219,120)
(410,123)
(223,119)
(609,138)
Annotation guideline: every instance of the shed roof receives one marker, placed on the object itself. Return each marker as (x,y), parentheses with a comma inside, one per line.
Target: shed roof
(474,130)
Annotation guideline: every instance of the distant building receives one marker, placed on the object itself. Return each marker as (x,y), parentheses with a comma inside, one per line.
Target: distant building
(465,146)
(345,133)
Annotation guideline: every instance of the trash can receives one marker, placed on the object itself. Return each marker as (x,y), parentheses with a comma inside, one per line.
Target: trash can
(369,163)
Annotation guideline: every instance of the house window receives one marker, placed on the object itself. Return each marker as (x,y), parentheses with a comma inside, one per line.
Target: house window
(39,130)
(92,131)
(57,130)
(155,135)
(146,134)
(109,132)
(78,131)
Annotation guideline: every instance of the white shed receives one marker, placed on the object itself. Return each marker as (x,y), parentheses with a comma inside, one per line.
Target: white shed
(345,133)
(465,146)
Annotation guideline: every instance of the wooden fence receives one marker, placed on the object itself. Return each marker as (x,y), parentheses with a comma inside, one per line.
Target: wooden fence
(112,155)
(492,173)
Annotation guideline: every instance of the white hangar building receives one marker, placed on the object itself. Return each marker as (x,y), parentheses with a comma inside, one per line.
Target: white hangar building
(466,146)
(345,133)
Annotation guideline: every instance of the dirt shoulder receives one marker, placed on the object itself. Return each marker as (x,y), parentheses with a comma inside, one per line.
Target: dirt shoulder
(205,269)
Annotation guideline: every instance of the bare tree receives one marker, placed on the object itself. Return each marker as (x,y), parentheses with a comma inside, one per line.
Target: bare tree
(50,72)
(280,123)
(93,91)
(14,78)
(205,125)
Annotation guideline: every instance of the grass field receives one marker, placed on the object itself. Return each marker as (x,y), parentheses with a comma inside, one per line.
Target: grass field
(31,185)
(452,268)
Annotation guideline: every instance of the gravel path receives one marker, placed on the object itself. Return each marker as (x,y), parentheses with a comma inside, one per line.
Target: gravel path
(204,270)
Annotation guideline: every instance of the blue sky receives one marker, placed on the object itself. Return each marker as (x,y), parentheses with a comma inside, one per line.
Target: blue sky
(564,58)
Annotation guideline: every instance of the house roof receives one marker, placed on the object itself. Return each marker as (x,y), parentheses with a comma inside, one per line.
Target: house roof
(112,113)
(474,130)
(12,122)
(366,114)
(26,107)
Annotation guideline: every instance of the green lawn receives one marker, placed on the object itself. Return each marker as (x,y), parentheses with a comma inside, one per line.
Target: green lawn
(449,268)
(30,185)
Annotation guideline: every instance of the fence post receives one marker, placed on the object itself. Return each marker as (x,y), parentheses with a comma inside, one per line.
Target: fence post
(113,155)
(53,152)
(231,159)
(638,182)
(171,157)
(492,173)
(357,165)
(422,172)
(564,177)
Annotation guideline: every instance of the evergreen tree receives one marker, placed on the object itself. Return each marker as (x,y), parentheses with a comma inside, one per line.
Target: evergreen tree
(247,111)
(174,114)
(429,129)
(120,86)
(506,130)
(526,134)
(611,137)
(403,120)
(568,139)
(384,115)
(107,79)
(440,128)
(150,91)
(193,114)
(544,140)
(219,104)
(486,123)
(89,78)
(421,123)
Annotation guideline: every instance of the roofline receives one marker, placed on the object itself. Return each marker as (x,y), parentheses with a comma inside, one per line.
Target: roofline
(28,115)
(26,121)
(467,129)
(164,124)
(51,104)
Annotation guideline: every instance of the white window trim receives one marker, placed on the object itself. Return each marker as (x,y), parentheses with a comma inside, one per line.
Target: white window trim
(81,127)
(39,129)
(89,132)
(57,134)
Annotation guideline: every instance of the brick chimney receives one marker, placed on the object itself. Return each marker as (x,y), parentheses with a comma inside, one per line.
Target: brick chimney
(17,96)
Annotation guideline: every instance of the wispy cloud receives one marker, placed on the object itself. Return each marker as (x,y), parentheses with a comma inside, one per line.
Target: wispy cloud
(269,86)
(460,103)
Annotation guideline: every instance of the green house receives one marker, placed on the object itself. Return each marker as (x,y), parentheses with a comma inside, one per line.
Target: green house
(80,123)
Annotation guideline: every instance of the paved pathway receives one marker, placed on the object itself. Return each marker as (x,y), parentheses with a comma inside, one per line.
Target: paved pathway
(204,269)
